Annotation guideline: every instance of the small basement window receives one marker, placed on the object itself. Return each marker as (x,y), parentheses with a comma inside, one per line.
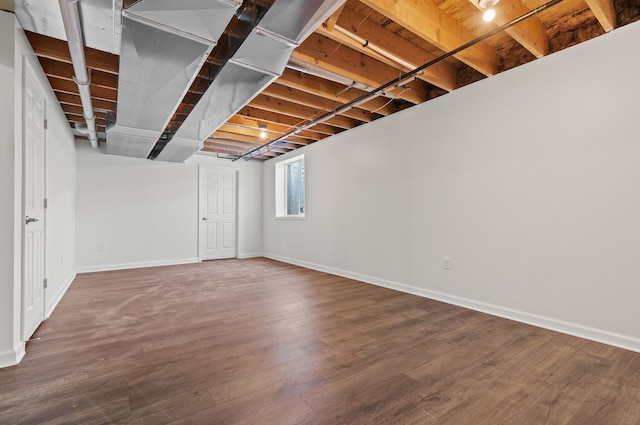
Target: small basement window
(290,187)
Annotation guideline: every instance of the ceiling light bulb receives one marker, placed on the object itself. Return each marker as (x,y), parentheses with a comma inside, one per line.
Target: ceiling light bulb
(488,15)
(263,132)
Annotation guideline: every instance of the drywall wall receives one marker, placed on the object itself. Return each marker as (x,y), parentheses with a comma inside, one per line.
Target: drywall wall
(528,180)
(61,211)
(10,348)
(15,53)
(135,212)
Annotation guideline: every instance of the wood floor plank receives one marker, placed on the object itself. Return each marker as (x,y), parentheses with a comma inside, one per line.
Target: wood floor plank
(261,342)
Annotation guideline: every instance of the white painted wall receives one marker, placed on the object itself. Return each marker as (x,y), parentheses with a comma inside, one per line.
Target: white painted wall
(10,348)
(15,51)
(529,181)
(145,212)
(61,195)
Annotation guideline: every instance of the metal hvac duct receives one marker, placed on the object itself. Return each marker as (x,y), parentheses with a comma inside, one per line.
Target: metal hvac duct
(103,20)
(260,59)
(164,44)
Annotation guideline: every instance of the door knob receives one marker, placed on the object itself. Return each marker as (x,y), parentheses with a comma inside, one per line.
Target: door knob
(205,218)
(30,220)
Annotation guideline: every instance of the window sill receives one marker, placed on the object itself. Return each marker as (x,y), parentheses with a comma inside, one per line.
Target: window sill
(290,217)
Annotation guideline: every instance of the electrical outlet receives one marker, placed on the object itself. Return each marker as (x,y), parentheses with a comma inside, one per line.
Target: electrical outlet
(446,263)
(100,247)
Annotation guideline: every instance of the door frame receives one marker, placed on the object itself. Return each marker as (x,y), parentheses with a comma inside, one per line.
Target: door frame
(31,73)
(201,169)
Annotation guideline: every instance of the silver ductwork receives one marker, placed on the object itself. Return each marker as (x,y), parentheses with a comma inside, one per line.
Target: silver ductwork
(105,18)
(201,20)
(260,59)
(164,45)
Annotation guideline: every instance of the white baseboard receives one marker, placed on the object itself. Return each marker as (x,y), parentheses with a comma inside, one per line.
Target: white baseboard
(250,255)
(581,331)
(12,357)
(52,305)
(109,267)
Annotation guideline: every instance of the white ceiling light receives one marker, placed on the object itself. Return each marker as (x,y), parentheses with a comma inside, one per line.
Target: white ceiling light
(489,11)
(488,15)
(263,131)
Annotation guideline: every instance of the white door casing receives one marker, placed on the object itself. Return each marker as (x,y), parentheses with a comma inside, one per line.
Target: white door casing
(33,263)
(217,207)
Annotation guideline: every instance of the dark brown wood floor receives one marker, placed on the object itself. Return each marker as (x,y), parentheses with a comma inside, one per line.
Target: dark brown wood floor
(261,342)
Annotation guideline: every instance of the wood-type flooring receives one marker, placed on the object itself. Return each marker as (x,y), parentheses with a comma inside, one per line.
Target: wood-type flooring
(261,342)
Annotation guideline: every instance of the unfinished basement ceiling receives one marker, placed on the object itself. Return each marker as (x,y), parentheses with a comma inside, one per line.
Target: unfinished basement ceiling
(343,50)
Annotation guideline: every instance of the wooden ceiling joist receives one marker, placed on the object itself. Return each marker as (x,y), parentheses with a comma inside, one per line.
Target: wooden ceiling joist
(199,86)
(220,138)
(428,21)
(238,121)
(264,115)
(334,91)
(255,134)
(52,48)
(231,145)
(313,101)
(75,118)
(273,104)
(331,20)
(68,86)
(387,47)
(329,55)
(233,139)
(185,108)
(531,33)
(605,13)
(222,149)
(54,68)
(72,99)
(77,110)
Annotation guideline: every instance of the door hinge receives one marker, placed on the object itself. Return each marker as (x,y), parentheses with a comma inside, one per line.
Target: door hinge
(46,124)
(45,203)
(45,283)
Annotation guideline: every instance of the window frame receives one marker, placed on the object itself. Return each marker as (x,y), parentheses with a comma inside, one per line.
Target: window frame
(282,188)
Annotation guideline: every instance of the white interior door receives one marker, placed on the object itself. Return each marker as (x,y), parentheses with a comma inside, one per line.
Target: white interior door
(217,213)
(33,308)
